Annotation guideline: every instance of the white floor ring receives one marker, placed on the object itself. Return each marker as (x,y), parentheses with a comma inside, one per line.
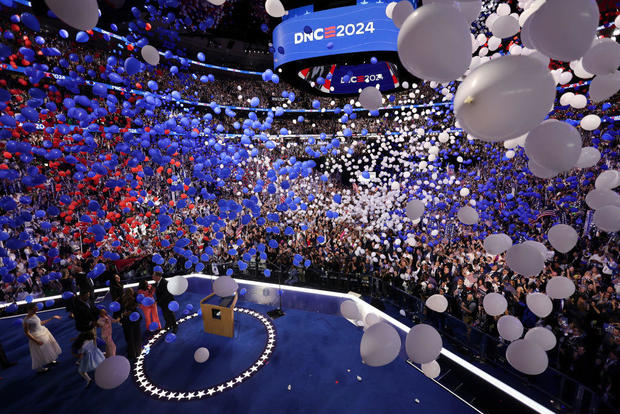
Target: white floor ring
(145,385)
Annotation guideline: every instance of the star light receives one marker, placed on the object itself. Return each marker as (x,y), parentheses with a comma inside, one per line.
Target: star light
(145,385)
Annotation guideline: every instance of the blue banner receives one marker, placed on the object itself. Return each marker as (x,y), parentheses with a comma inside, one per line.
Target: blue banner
(350,79)
(344,30)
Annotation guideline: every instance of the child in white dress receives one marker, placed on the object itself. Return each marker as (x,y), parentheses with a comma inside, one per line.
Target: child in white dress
(43,346)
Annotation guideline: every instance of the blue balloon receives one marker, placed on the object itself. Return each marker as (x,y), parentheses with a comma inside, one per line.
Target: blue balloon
(132,65)
(148,301)
(31,22)
(170,337)
(81,37)
(173,306)
(134,316)
(114,307)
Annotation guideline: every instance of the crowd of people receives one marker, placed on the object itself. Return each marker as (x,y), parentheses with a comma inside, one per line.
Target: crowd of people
(131,184)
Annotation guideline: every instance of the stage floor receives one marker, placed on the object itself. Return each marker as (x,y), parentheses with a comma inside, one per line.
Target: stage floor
(316,354)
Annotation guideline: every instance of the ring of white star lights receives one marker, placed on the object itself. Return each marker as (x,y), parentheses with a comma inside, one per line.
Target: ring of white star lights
(145,384)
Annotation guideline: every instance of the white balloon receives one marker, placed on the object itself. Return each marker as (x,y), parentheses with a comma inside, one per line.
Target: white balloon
(509,327)
(589,157)
(434,43)
(423,344)
(112,372)
(525,259)
(497,243)
(562,237)
(370,98)
(225,286)
(201,354)
(541,336)
(564,29)
(494,304)
(527,357)
(494,43)
(274,8)
(349,310)
(590,122)
(579,71)
(431,369)
(177,285)
(566,98)
(389,9)
(503,9)
(380,345)
(371,319)
(560,287)
(539,246)
(504,98)
(217,2)
(415,209)
(604,87)
(539,304)
(607,218)
(468,215)
(540,171)
(400,12)
(437,303)
(578,101)
(601,197)
(150,55)
(505,26)
(609,180)
(554,144)
(603,57)
(464,192)
(79,14)
(565,77)
(470,9)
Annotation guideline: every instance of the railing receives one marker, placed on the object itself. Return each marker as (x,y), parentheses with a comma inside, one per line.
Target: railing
(568,394)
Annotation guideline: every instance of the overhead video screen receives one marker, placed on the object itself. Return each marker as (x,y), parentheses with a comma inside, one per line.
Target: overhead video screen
(345,30)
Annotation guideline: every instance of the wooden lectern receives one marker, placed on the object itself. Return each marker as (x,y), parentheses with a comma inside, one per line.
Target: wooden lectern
(218,319)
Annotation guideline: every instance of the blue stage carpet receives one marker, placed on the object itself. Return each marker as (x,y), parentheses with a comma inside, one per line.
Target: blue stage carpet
(316,354)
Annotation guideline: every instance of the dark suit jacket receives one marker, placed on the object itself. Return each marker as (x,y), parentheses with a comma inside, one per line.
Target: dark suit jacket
(85,316)
(116,290)
(84,282)
(162,295)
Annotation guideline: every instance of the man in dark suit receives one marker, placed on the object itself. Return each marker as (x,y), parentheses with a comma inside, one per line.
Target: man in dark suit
(116,292)
(163,299)
(85,283)
(84,313)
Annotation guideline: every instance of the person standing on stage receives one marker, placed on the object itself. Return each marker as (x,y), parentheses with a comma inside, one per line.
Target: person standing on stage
(43,346)
(150,312)
(163,299)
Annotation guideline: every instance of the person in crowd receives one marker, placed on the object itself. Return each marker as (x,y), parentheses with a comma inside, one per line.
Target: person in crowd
(44,349)
(85,283)
(85,313)
(116,292)
(164,297)
(151,316)
(90,356)
(105,323)
(130,320)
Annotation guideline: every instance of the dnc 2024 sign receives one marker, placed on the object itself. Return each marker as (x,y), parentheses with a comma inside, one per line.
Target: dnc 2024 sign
(361,28)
